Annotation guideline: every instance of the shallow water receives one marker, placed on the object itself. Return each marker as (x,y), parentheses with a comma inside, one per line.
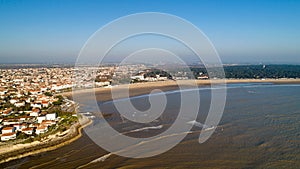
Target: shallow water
(260,128)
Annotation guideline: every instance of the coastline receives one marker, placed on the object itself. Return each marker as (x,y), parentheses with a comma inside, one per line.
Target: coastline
(135,89)
(145,88)
(23,150)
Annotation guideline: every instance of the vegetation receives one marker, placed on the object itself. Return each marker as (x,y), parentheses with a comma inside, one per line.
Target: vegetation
(48,94)
(154,72)
(59,101)
(22,136)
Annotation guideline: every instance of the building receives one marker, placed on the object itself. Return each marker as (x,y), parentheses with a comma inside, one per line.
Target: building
(41,130)
(45,103)
(20,104)
(8,130)
(28,131)
(40,119)
(35,112)
(8,136)
(51,116)
(48,123)
(7,112)
(138,77)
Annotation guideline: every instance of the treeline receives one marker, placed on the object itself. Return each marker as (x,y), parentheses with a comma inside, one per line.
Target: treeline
(154,72)
(254,71)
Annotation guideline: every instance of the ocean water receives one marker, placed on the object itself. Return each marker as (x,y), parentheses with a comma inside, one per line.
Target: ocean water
(260,128)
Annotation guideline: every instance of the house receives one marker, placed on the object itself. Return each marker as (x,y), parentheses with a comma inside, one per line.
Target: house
(48,122)
(20,104)
(23,118)
(7,112)
(13,101)
(51,116)
(8,122)
(45,103)
(41,118)
(8,130)
(138,77)
(36,105)
(99,84)
(28,130)
(162,78)
(203,77)
(41,129)
(8,136)
(35,112)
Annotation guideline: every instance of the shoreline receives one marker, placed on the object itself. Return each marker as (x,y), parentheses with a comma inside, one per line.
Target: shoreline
(40,147)
(147,87)
(135,89)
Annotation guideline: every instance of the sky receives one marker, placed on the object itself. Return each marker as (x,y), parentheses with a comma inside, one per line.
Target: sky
(242,31)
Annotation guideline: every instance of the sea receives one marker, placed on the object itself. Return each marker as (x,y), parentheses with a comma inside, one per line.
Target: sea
(259,128)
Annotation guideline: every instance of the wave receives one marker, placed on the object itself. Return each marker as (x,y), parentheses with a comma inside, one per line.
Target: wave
(195,123)
(104,157)
(204,126)
(144,128)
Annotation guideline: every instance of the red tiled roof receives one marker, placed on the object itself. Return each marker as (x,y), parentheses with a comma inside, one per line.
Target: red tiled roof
(8,134)
(27,129)
(41,127)
(8,128)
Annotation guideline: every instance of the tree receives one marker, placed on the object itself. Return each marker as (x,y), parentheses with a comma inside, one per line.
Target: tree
(48,94)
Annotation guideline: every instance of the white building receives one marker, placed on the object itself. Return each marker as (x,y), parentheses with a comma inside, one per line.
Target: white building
(41,129)
(8,130)
(36,105)
(28,130)
(13,101)
(35,113)
(8,136)
(138,77)
(51,116)
(41,118)
(20,104)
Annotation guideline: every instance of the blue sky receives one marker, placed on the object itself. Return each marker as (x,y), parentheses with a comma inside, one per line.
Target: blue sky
(243,31)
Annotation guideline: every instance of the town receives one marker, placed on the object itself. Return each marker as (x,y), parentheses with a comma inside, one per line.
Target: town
(31,103)
(30,100)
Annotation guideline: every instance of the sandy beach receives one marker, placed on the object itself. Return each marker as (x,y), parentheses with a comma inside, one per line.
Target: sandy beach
(145,88)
